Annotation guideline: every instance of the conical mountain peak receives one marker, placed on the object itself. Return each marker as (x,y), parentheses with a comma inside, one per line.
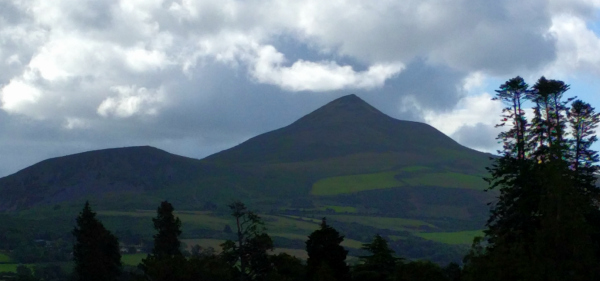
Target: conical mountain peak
(345,126)
(346,109)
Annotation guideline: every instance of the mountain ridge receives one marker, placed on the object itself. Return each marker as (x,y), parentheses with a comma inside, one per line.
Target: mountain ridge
(347,136)
(341,127)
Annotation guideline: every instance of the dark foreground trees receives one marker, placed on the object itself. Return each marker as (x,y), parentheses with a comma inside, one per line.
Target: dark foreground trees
(96,251)
(544,225)
(380,265)
(166,262)
(326,257)
(97,256)
(249,252)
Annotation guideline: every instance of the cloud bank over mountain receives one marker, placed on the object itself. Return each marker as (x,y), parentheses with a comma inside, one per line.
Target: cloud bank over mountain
(195,77)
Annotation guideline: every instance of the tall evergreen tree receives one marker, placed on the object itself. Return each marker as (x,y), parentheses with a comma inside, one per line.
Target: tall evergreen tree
(166,262)
(325,254)
(168,227)
(249,252)
(541,228)
(380,265)
(96,251)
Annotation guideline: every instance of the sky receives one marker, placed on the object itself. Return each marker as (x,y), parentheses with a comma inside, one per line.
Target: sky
(196,77)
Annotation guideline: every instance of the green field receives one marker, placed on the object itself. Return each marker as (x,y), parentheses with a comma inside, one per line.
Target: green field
(203,219)
(4,258)
(12,267)
(454,238)
(452,180)
(354,183)
(398,224)
(415,168)
(285,224)
(335,208)
(338,209)
(133,259)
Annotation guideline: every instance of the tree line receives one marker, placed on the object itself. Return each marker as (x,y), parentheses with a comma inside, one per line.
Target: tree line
(247,258)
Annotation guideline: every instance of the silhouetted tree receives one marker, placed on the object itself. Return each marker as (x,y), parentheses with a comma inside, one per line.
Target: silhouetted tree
(380,265)
(286,268)
(249,252)
(166,262)
(96,251)
(209,267)
(325,254)
(543,225)
(421,270)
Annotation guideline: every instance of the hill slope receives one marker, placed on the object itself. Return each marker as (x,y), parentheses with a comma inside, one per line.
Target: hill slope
(346,154)
(133,170)
(343,127)
(365,171)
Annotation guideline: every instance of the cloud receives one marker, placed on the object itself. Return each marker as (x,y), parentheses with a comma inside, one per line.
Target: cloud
(18,94)
(471,122)
(480,137)
(198,76)
(131,100)
(317,76)
(577,46)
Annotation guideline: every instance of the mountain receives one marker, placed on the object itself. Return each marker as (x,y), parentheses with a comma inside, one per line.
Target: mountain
(100,173)
(343,127)
(365,171)
(345,153)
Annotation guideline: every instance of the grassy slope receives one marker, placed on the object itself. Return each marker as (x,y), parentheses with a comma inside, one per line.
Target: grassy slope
(453,238)
(398,224)
(448,179)
(4,258)
(354,183)
(133,259)
(409,176)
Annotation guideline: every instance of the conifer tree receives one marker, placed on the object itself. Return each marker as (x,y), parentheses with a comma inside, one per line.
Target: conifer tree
(541,228)
(166,262)
(96,251)
(325,254)
(378,266)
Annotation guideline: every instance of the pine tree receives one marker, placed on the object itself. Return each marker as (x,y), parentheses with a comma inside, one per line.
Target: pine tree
(166,241)
(380,265)
(325,254)
(166,262)
(542,227)
(96,251)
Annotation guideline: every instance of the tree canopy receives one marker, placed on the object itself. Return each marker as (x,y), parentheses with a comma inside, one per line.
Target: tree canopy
(542,226)
(325,254)
(96,250)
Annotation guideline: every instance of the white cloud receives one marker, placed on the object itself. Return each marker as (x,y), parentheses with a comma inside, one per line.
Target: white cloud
(318,76)
(71,123)
(469,111)
(84,48)
(473,81)
(130,101)
(577,47)
(471,123)
(18,95)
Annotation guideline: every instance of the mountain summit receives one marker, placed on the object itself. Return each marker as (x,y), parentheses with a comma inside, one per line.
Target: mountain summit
(346,109)
(345,126)
(345,138)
